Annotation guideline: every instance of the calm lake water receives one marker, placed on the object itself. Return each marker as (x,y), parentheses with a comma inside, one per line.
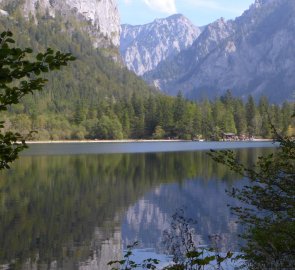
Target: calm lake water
(76,206)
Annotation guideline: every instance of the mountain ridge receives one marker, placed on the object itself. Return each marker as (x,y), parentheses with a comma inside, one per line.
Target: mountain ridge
(96,98)
(250,55)
(143,47)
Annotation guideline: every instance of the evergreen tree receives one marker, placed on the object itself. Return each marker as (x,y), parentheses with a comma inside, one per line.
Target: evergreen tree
(150,115)
(250,116)
(286,114)
(240,117)
(79,114)
(179,115)
(197,122)
(207,120)
(263,108)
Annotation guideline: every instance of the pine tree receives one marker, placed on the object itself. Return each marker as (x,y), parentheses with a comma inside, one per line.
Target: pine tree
(263,108)
(250,116)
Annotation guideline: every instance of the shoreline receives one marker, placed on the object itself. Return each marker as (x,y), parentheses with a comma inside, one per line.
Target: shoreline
(133,141)
(102,141)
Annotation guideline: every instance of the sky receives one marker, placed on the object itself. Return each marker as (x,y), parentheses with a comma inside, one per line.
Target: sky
(200,12)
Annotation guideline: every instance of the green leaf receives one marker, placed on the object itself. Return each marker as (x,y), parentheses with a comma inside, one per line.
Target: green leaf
(44,69)
(39,56)
(37,72)
(28,50)
(49,59)
(10,40)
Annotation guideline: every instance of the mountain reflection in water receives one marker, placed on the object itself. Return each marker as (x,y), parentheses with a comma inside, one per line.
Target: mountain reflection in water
(75,211)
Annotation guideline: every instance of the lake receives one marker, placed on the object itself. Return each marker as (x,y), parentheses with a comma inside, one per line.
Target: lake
(77,206)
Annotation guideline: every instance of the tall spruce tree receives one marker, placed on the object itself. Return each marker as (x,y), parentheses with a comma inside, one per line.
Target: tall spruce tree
(250,116)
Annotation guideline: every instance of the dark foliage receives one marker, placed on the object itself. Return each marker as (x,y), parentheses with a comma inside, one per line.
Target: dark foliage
(20,76)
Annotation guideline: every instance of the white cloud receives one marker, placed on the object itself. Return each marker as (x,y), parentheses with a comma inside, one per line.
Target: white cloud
(214,5)
(127,2)
(165,6)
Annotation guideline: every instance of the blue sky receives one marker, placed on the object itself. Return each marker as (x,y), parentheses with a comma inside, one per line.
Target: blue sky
(200,12)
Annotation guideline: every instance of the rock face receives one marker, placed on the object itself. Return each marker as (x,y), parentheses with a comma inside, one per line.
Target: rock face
(250,55)
(143,47)
(101,16)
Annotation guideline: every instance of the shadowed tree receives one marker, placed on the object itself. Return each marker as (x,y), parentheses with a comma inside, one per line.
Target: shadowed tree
(250,116)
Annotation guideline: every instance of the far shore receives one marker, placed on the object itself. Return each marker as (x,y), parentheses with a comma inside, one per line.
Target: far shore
(134,141)
(102,141)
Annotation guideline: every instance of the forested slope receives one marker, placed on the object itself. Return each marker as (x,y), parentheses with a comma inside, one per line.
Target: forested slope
(96,98)
(87,89)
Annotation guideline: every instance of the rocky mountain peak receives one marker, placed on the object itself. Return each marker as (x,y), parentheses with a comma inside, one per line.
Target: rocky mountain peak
(171,19)
(143,47)
(263,6)
(260,3)
(218,30)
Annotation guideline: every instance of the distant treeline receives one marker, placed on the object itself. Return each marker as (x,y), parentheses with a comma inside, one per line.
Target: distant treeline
(96,98)
(157,116)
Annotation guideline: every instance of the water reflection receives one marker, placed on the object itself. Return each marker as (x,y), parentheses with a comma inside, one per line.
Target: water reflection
(66,212)
(203,201)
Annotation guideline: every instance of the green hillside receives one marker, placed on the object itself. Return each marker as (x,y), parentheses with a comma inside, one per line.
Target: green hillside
(88,89)
(95,97)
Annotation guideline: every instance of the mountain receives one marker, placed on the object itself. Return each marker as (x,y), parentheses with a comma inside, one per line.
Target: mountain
(99,18)
(96,97)
(249,55)
(143,47)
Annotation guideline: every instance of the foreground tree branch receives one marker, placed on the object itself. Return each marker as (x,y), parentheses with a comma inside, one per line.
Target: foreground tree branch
(20,74)
(268,205)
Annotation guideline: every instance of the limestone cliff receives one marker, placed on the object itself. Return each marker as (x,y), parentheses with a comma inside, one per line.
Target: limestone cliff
(100,18)
(143,47)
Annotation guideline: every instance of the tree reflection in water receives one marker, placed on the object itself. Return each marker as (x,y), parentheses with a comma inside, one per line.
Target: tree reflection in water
(65,212)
